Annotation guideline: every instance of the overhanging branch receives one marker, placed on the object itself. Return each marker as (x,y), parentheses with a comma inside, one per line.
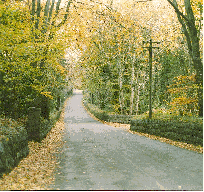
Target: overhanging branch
(178,11)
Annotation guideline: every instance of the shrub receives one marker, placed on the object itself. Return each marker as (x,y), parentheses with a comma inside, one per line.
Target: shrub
(189,132)
(13,144)
(107,116)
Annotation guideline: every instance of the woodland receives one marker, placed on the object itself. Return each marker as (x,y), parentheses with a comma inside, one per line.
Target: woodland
(116,60)
(49,47)
(141,59)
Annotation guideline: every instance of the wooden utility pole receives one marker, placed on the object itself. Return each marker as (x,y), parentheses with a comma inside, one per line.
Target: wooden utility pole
(150,74)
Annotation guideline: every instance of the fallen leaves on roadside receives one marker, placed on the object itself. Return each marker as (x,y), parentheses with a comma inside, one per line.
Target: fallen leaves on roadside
(35,172)
(191,147)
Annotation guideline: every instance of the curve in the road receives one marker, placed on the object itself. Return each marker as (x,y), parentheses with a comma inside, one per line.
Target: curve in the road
(100,157)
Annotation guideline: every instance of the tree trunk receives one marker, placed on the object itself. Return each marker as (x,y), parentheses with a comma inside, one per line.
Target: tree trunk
(190,31)
(33,10)
(46,12)
(51,11)
(120,82)
(138,95)
(195,54)
(132,86)
(38,14)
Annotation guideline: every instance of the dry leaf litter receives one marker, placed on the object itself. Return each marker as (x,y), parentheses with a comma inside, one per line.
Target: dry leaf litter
(35,172)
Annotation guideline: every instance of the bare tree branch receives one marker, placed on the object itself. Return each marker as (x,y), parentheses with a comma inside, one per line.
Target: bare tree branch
(177,10)
(66,15)
(186,33)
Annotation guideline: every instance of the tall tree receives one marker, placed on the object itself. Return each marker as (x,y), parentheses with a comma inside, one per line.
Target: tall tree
(192,33)
(21,79)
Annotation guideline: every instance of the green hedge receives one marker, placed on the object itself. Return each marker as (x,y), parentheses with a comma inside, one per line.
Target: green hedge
(105,116)
(100,114)
(186,130)
(189,132)
(13,144)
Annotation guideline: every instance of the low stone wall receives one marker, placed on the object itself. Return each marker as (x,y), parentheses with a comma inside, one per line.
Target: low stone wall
(13,147)
(14,138)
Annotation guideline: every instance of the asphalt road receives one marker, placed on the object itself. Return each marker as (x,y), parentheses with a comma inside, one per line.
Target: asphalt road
(100,157)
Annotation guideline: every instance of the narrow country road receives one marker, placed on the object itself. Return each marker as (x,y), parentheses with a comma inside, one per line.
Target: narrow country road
(100,157)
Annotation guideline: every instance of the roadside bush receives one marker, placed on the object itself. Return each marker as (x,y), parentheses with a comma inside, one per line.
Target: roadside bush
(177,128)
(189,132)
(105,116)
(13,144)
(100,114)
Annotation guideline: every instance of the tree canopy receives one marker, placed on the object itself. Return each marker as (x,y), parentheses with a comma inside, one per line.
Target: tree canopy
(31,57)
(116,64)
(47,46)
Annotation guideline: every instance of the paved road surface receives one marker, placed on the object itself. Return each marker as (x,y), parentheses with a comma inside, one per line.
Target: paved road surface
(97,156)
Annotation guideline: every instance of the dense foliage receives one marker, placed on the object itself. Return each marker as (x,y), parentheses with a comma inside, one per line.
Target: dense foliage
(116,68)
(32,69)
(13,144)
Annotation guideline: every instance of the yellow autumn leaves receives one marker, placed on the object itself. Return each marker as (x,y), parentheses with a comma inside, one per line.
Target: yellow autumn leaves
(184,95)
